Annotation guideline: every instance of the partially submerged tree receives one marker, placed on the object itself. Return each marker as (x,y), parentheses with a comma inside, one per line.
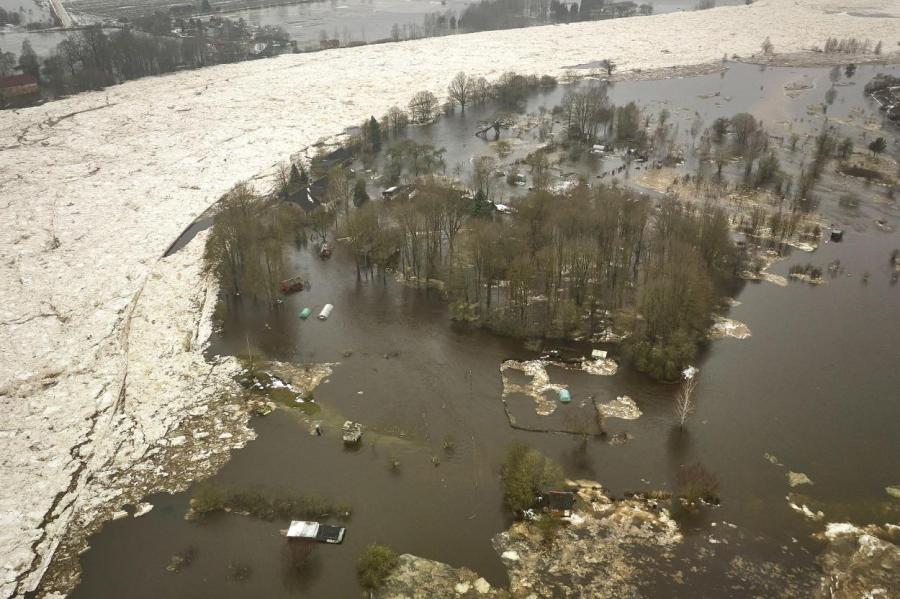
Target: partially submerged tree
(461,89)
(422,107)
(694,483)
(524,474)
(877,146)
(684,399)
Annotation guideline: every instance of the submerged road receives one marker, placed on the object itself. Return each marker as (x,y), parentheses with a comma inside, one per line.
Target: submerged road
(62,14)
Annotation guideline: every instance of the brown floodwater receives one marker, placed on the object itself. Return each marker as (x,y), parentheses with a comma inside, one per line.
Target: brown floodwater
(817,385)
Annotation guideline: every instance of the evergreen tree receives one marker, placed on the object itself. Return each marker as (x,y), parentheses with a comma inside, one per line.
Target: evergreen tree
(360,195)
(375,133)
(28,60)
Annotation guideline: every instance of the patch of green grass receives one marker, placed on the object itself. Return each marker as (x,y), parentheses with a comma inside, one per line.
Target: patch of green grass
(309,408)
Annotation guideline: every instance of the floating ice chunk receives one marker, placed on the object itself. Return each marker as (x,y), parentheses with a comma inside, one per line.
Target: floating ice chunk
(726,327)
(803,509)
(795,479)
(622,407)
(601,367)
(834,530)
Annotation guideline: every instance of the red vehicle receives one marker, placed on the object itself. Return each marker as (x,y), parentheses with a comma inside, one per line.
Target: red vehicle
(293,284)
(325,251)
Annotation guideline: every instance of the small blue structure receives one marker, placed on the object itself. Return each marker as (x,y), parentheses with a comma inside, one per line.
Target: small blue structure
(564,396)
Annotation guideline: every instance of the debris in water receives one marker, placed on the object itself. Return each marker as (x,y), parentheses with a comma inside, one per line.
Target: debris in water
(539,388)
(600,366)
(803,509)
(620,439)
(622,407)
(795,479)
(142,508)
(893,491)
(772,459)
(690,372)
(182,560)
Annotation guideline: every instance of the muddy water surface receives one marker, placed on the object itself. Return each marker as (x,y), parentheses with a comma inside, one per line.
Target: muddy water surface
(815,386)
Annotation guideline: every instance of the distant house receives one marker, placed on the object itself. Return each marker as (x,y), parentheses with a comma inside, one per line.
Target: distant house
(18,87)
(399,192)
(308,197)
(339,157)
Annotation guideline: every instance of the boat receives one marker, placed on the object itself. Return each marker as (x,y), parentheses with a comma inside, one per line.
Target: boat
(325,250)
(352,431)
(326,312)
(314,531)
(293,284)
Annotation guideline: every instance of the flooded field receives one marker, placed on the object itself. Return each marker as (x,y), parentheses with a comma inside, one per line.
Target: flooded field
(813,390)
(370,20)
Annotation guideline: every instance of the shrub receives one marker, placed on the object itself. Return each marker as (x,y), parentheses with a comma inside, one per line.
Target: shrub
(375,565)
(695,483)
(524,473)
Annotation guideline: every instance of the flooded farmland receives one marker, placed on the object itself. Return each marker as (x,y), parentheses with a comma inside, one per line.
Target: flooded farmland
(371,20)
(813,390)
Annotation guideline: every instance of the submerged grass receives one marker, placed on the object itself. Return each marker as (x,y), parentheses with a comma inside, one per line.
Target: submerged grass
(266,505)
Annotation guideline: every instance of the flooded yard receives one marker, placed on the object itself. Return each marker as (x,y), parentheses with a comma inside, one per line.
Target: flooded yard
(812,391)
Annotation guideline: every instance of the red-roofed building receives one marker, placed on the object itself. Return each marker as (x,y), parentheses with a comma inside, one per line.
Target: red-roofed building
(18,91)
(18,85)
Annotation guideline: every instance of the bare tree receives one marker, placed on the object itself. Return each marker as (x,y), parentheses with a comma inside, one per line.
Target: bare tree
(461,89)
(684,400)
(422,106)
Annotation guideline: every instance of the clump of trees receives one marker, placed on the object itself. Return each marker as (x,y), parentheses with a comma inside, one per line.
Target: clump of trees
(560,262)
(524,474)
(93,58)
(245,248)
(851,45)
(376,563)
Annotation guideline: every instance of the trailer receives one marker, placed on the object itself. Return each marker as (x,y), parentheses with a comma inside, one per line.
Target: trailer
(313,531)
(326,312)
